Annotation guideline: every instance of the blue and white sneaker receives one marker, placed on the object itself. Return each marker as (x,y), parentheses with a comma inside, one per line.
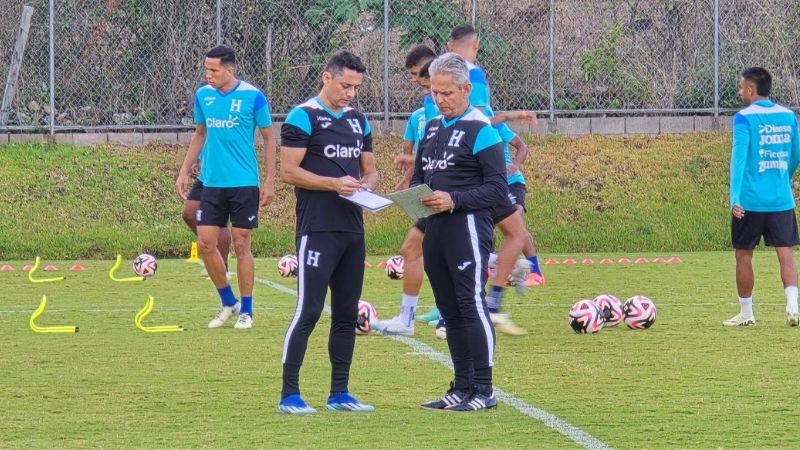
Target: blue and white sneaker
(295,405)
(430,316)
(343,401)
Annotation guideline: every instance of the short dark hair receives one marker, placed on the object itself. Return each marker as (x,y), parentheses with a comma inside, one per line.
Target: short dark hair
(760,78)
(344,60)
(424,72)
(418,54)
(224,53)
(462,31)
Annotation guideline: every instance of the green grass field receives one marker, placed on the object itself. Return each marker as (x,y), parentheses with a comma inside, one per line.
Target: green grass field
(685,383)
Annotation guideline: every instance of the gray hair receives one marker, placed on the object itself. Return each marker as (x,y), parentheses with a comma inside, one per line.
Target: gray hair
(451,64)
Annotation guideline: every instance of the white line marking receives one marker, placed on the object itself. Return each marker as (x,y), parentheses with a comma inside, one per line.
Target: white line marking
(570,431)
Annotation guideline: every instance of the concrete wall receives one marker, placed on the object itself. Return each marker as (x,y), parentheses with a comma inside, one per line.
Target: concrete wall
(613,126)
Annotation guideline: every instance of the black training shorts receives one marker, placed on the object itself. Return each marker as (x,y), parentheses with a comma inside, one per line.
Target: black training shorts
(517,193)
(421,224)
(196,193)
(778,228)
(239,204)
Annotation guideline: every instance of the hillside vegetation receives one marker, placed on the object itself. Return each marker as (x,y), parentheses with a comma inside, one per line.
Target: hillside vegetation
(586,194)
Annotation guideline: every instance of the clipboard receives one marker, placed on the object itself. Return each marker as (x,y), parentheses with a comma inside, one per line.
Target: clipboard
(409,201)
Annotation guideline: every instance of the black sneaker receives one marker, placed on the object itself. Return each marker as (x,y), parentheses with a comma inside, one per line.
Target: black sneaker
(452,398)
(478,399)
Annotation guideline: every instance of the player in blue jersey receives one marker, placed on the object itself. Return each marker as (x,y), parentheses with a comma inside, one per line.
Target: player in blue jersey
(765,155)
(227,112)
(417,63)
(464,41)
(326,153)
(461,159)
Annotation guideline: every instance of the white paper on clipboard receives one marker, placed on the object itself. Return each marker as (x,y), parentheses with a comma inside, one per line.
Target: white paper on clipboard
(370,201)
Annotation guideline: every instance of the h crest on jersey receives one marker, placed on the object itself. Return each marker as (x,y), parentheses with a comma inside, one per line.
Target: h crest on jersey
(356,126)
(455,138)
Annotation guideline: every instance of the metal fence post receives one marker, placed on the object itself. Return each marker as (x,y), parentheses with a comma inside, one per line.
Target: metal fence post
(52,50)
(219,22)
(386,62)
(716,58)
(552,58)
(474,11)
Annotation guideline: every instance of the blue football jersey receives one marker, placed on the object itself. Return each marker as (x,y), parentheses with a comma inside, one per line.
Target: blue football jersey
(231,119)
(765,155)
(508,135)
(415,128)
(480,95)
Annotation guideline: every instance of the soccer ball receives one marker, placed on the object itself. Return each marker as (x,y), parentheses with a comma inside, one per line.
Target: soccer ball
(394,267)
(366,314)
(639,312)
(287,266)
(145,265)
(610,308)
(585,317)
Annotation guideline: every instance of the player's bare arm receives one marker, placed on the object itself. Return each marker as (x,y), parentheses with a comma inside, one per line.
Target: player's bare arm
(267,193)
(519,155)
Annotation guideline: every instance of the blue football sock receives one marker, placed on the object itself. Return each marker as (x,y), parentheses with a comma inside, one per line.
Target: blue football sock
(535,265)
(247,306)
(494,299)
(226,295)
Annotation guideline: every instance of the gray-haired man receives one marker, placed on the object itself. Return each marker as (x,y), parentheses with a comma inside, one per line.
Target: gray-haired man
(461,159)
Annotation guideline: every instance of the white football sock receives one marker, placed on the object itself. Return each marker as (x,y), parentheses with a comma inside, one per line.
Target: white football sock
(791,299)
(408,309)
(492,260)
(746,305)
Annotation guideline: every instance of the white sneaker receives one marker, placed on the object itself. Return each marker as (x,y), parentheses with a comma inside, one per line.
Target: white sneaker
(792,319)
(441,333)
(395,326)
(245,322)
(740,321)
(225,313)
(503,324)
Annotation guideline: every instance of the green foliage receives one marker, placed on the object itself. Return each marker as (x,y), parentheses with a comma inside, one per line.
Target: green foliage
(431,19)
(602,67)
(325,12)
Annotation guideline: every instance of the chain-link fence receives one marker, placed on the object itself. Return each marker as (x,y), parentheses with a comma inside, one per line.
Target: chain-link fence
(135,63)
